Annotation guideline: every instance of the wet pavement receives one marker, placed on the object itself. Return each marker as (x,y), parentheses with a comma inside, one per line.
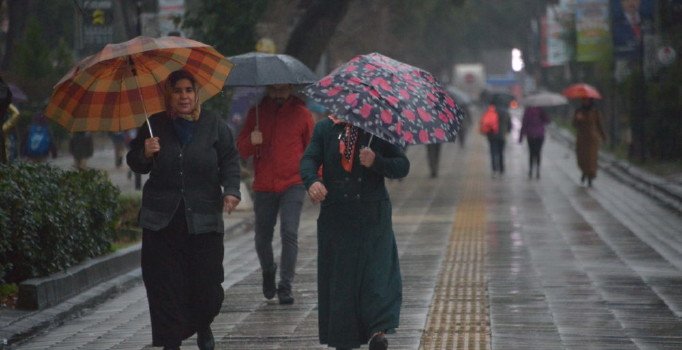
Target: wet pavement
(504,263)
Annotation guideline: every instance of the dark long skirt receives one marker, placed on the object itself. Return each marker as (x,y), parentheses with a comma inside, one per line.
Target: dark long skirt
(182,274)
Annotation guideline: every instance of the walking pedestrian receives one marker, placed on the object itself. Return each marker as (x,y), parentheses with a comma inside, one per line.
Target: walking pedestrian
(38,142)
(7,123)
(275,134)
(433,157)
(118,140)
(497,133)
(81,147)
(533,128)
(589,134)
(193,169)
(358,272)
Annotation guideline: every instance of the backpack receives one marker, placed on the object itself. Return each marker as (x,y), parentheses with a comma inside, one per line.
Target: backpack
(490,121)
(38,141)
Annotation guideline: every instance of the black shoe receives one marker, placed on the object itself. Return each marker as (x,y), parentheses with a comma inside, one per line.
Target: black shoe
(205,340)
(269,283)
(285,297)
(171,348)
(378,342)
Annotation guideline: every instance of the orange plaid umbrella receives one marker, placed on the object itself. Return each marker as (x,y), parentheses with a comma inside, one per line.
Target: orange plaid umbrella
(118,87)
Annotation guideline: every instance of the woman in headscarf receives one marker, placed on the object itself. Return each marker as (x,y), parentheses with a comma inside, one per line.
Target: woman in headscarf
(194,176)
(358,276)
(589,134)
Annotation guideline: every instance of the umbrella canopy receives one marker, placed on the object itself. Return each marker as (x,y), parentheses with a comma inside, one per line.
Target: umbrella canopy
(544,99)
(18,95)
(259,69)
(118,87)
(581,90)
(390,99)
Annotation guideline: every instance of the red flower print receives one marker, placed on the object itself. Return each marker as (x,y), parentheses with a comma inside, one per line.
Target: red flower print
(424,115)
(386,116)
(407,136)
(352,99)
(404,94)
(439,133)
(423,136)
(409,115)
(392,100)
(365,111)
(326,81)
(333,91)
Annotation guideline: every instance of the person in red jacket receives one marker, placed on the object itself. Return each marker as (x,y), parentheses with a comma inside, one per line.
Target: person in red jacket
(276,133)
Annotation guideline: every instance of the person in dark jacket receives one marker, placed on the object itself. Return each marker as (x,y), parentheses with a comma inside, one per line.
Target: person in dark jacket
(275,134)
(358,272)
(194,175)
(497,140)
(533,128)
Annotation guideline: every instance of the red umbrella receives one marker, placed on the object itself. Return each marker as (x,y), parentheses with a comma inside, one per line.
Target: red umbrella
(581,90)
(397,102)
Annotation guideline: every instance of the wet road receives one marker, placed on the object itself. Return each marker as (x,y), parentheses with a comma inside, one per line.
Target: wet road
(507,263)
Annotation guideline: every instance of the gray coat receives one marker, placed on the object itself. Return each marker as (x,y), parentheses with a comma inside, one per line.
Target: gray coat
(200,173)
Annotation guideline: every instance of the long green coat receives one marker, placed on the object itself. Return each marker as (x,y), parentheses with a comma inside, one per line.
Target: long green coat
(358,276)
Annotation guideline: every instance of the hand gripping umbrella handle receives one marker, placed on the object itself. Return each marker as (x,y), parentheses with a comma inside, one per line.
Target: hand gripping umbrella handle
(139,91)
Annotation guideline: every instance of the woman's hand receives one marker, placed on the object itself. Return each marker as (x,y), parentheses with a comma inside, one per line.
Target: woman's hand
(367,157)
(230,202)
(317,192)
(151,146)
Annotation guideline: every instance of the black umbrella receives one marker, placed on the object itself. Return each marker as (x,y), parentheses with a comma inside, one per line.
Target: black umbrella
(258,69)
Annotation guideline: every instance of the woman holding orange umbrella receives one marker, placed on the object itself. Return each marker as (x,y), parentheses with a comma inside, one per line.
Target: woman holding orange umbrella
(589,130)
(194,175)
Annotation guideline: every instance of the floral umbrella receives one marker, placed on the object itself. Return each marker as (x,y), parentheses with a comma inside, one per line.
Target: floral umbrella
(117,88)
(397,102)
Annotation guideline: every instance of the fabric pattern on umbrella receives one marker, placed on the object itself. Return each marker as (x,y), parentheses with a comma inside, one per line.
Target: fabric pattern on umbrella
(260,69)
(544,99)
(395,101)
(581,90)
(118,87)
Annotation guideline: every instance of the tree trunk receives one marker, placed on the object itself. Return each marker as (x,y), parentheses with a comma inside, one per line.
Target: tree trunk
(18,13)
(312,34)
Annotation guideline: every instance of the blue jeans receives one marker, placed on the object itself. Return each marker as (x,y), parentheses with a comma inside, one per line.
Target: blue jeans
(266,206)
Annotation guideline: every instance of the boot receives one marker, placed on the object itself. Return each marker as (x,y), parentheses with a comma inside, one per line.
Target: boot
(269,283)
(378,342)
(205,339)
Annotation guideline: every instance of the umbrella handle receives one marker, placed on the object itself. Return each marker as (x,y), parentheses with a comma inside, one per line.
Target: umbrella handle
(369,143)
(139,91)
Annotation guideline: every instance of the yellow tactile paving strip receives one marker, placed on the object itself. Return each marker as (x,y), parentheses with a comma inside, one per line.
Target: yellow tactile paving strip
(458,315)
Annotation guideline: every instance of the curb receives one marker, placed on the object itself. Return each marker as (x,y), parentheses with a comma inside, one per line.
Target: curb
(665,192)
(25,324)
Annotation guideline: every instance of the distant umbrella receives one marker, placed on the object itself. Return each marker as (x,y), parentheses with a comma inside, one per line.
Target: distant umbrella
(544,99)
(259,69)
(18,95)
(581,90)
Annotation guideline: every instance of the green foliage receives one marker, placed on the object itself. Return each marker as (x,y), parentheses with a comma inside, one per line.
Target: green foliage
(227,25)
(127,228)
(51,219)
(7,290)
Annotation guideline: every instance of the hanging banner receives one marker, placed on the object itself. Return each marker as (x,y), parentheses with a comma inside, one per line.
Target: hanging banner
(628,21)
(98,25)
(592,30)
(553,44)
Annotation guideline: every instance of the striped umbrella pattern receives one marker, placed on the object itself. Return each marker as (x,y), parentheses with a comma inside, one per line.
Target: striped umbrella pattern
(120,86)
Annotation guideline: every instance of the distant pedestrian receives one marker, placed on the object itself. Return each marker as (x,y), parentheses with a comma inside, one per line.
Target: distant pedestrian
(38,142)
(276,133)
(359,285)
(6,122)
(193,169)
(81,147)
(118,141)
(129,137)
(495,125)
(433,158)
(589,134)
(533,128)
